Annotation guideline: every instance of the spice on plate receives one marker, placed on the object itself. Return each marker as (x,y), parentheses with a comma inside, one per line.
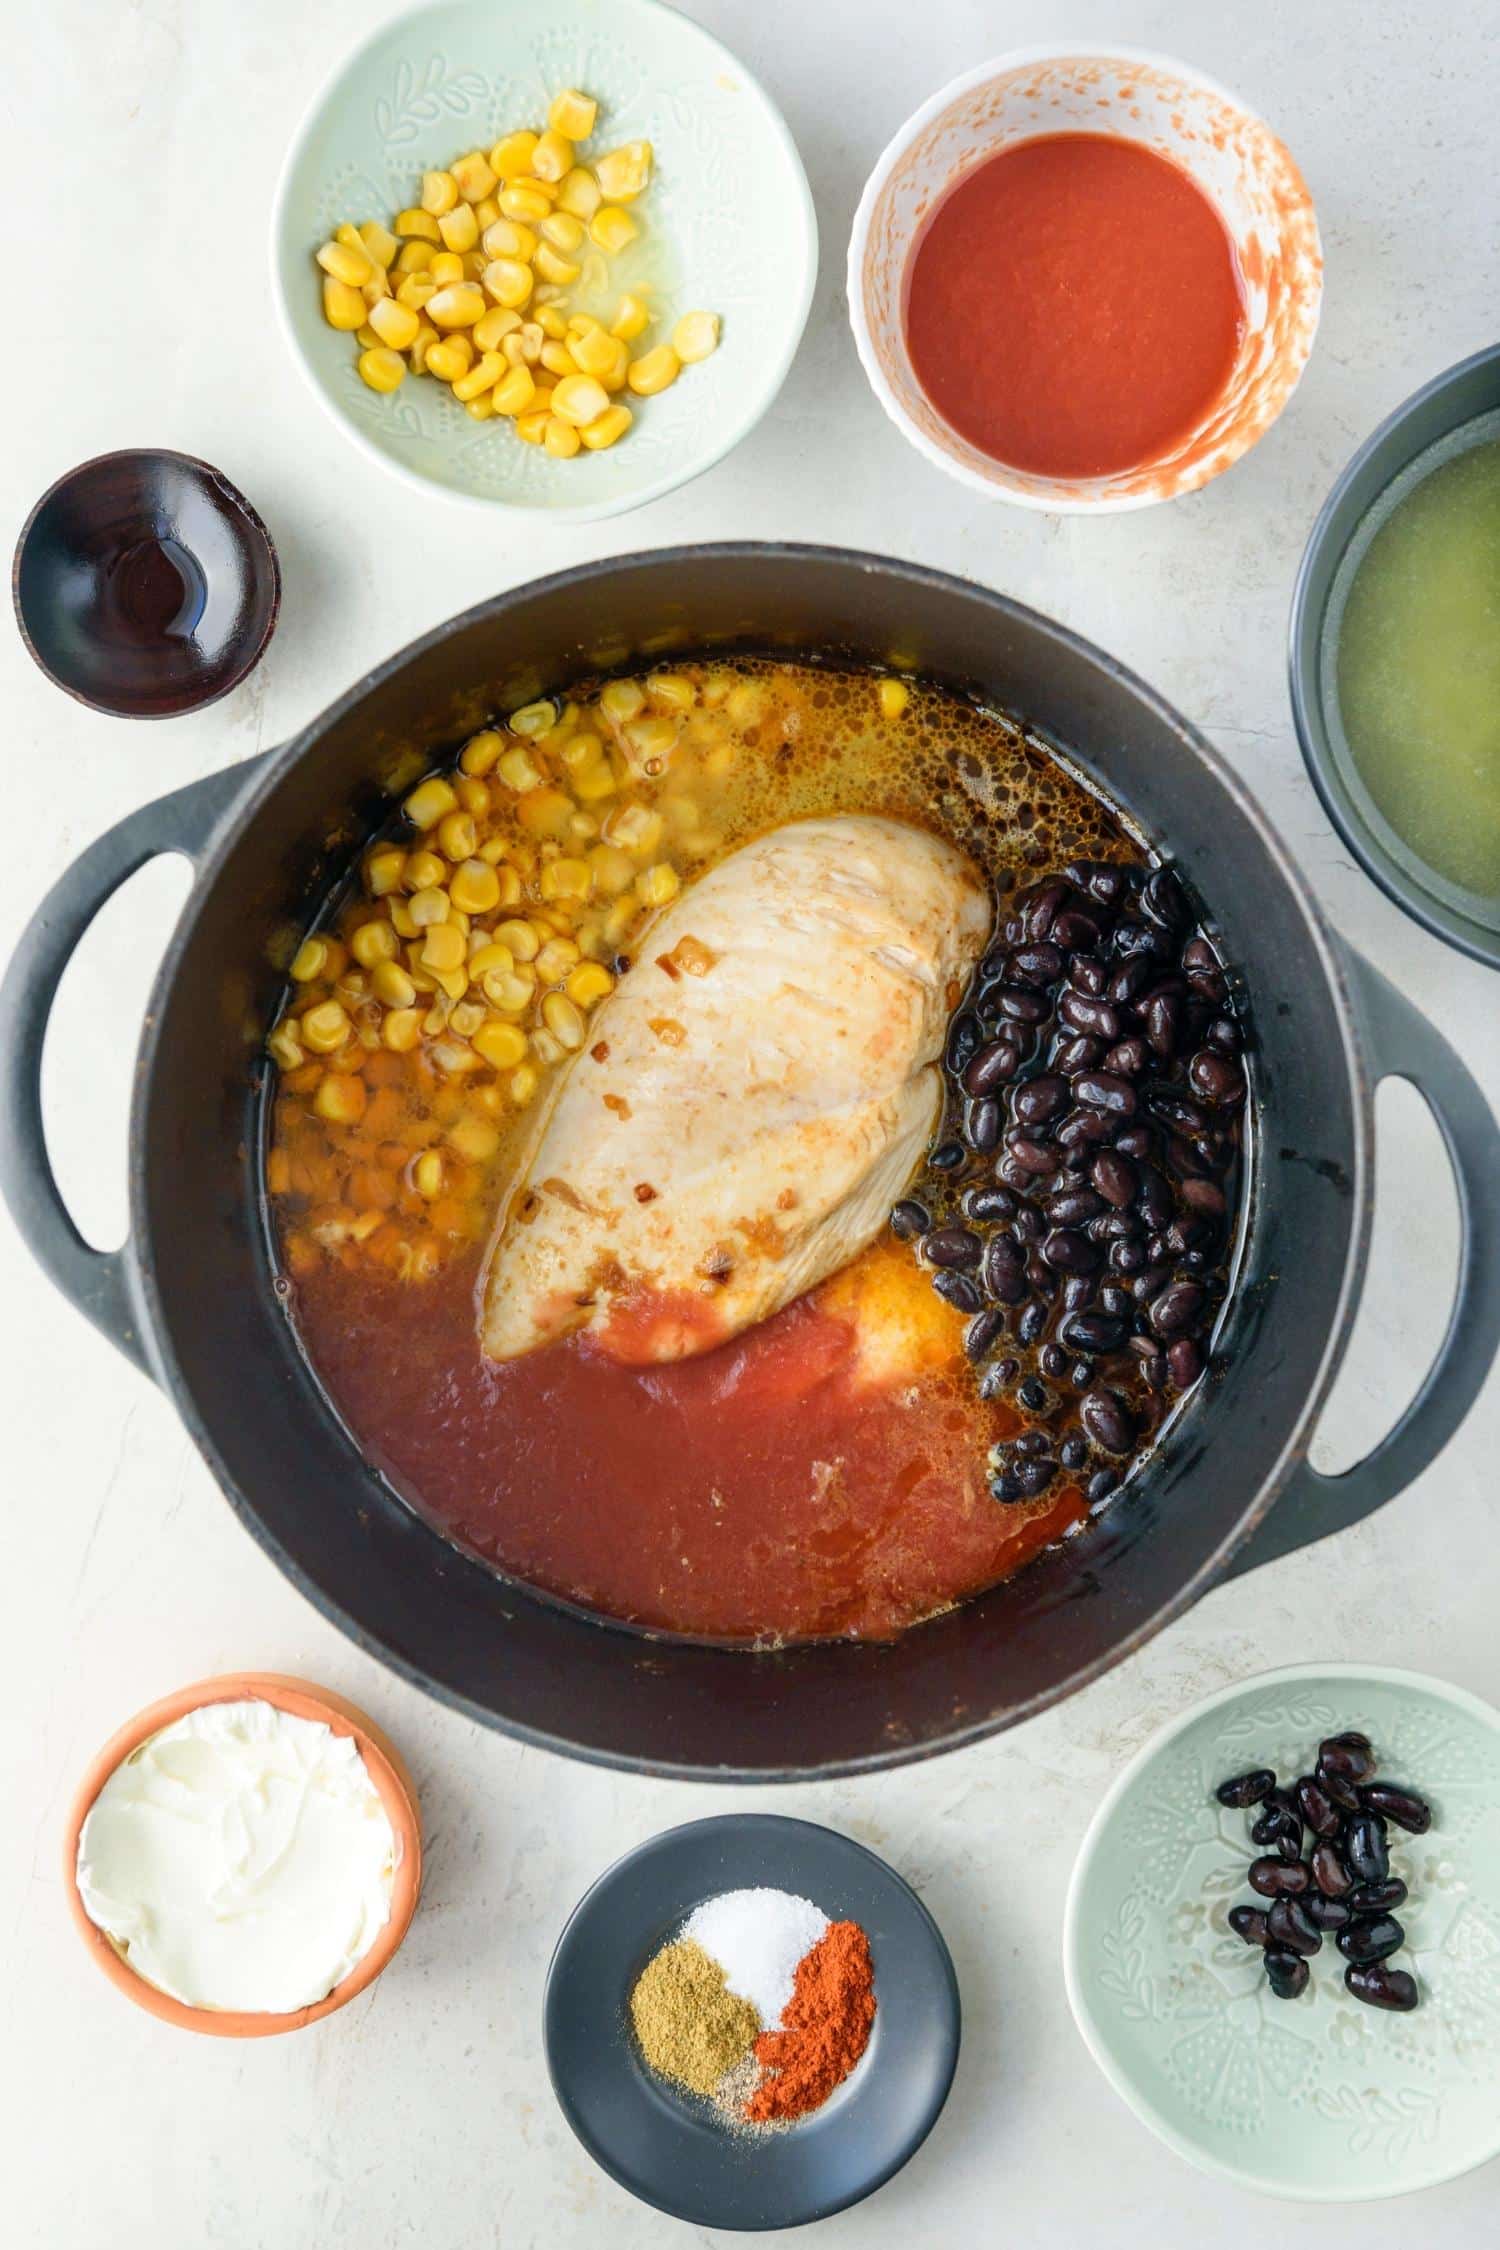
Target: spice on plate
(691,2027)
(760,2004)
(826,2027)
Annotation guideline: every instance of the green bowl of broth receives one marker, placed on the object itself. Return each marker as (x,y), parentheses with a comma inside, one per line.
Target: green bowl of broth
(1395,655)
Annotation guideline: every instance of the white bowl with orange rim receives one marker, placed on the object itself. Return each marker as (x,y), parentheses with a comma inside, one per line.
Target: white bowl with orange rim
(392,1783)
(1130,95)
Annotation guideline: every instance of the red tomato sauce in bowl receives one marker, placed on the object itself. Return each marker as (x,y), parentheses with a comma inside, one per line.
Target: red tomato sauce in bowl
(1074,306)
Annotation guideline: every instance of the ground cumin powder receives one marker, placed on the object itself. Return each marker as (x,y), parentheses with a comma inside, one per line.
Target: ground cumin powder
(691,2027)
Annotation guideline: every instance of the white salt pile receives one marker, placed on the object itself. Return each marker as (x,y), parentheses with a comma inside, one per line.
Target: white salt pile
(758,1937)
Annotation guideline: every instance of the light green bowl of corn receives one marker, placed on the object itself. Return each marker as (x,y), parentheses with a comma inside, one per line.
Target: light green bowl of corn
(725,226)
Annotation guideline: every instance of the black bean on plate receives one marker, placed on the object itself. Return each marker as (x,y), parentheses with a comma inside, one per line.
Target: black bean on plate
(1288,1923)
(1370,1937)
(1381,1986)
(1365,1851)
(1338,1788)
(1286,1972)
(1278,1878)
(1249,1788)
(910,1219)
(1327,1913)
(1377,1898)
(1315,1807)
(1329,1872)
(1249,1923)
(1348,1754)
(1393,1802)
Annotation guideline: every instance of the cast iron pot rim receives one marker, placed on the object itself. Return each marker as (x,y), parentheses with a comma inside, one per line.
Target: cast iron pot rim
(1305,682)
(157,1332)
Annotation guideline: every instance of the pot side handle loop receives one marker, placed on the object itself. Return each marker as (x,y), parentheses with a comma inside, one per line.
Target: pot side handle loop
(99,1282)
(1403,1044)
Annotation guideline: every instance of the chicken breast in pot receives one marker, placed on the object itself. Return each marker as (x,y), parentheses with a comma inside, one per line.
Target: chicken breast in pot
(755,1093)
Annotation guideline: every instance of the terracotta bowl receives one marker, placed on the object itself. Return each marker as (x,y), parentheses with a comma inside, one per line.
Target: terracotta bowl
(397,1794)
(1136,96)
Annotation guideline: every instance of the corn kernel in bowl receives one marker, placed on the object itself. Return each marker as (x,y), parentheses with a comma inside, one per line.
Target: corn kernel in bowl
(468,286)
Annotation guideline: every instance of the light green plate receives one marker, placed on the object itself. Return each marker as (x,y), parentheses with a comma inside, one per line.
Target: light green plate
(727,226)
(1320,2097)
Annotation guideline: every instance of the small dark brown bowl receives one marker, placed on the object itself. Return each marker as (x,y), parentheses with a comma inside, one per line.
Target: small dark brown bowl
(145,584)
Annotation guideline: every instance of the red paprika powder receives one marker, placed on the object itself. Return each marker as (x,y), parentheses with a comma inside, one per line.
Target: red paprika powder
(825,2027)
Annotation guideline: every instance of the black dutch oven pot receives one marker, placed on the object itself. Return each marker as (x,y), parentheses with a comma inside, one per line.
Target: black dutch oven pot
(190,1299)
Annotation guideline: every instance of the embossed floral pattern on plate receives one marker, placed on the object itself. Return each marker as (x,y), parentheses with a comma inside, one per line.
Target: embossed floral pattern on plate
(1318,2097)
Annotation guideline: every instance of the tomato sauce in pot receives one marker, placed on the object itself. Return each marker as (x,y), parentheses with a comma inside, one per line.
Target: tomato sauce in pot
(767,1491)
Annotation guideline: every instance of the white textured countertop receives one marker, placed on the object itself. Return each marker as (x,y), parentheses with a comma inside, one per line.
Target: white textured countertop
(142,140)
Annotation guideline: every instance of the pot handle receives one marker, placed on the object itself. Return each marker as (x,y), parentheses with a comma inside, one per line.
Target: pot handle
(99,1282)
(1402,1044)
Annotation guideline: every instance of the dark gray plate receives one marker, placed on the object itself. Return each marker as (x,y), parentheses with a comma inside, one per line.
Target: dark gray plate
(670,2150)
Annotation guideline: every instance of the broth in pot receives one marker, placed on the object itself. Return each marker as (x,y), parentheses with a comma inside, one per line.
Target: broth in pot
(755,1149)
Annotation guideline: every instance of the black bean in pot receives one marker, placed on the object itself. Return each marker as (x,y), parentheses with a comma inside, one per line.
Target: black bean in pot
(992,1064)
(1021,1006)
(1214,1079)
(1115,1178)
(1039,1098)
(982,1125)
(1179,1307)
(1096,1017)
(964,1036)
(1107,1421)
(1004,1270)
(1067,1251)
(1037,963)
(960,1291)
(1092,1333)
(986,1206)
(983,1330)
(951,1246)
(1184,1363)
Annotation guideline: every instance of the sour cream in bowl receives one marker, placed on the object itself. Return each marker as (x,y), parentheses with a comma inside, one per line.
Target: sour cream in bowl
(245,1856)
